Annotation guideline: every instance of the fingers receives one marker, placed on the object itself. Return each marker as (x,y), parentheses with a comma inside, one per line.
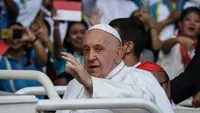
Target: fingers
(195,103)
(196,100)
(69,58)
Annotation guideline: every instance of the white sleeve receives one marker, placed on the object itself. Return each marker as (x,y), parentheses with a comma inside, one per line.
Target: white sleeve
(103,88)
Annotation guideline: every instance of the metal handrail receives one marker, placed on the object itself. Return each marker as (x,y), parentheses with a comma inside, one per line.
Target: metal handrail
(31,75)
(53,105)
(39,90)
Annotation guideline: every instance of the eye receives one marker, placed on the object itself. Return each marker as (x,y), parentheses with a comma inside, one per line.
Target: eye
(85,50)
(99,49)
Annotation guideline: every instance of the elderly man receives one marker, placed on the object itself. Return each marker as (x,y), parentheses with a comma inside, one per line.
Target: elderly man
(104,74)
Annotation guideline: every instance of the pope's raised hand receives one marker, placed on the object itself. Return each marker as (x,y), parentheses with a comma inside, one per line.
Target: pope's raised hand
(78,71)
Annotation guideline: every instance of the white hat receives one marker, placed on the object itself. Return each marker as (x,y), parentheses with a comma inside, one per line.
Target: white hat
(107,28)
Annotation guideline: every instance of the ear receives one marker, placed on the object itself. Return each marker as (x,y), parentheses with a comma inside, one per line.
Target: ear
(128,47)
(120,54)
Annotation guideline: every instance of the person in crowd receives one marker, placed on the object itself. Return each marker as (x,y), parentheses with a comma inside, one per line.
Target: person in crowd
(180,48)
(8,13)
(104,74)
(42,30)
(72,44)
(25,53)
(160,75)
(178,91)
(133,35)
(189,79)
(157,12)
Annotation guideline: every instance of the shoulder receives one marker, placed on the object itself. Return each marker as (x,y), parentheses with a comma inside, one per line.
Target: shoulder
(140,74)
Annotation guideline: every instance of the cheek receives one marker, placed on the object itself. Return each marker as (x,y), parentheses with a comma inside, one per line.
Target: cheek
(198,26)
(73,37)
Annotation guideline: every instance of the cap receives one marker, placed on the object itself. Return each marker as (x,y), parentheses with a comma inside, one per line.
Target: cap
(107,28)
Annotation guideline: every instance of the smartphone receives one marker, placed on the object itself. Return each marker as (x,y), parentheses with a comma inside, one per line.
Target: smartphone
(10,34)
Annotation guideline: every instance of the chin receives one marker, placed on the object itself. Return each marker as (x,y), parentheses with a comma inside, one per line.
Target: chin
(95,75)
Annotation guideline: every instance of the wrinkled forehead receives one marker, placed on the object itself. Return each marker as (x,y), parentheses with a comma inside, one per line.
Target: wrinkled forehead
(96,36)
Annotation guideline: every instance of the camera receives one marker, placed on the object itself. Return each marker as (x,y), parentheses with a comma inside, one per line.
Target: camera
(10,34)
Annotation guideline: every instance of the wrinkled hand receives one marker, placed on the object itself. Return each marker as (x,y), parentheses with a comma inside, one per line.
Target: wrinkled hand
(186,42)
(95,17)
(78,71)
(196,100)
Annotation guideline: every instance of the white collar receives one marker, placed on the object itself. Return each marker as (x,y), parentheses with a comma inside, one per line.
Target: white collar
(116,70)
(137,64)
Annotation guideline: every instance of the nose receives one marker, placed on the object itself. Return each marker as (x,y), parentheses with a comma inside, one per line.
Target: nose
(91,55)
(80,35)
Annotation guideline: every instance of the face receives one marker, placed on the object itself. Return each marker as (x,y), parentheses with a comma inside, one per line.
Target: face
(190,25)
(102,53)
(16,44)
(76,35)
(160,76)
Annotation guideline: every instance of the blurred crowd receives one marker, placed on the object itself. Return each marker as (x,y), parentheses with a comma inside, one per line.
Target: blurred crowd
(172,26)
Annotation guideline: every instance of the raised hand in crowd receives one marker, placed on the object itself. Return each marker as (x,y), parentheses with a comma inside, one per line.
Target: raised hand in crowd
(95,17)
(145,17)
(41,32)
(41,56)
(57,45)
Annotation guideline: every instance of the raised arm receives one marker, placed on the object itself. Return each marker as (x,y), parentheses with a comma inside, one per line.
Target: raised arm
(41,56)
(169,44)
(57,41)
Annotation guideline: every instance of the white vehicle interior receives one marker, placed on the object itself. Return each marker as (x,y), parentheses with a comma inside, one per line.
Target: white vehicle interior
(25,101)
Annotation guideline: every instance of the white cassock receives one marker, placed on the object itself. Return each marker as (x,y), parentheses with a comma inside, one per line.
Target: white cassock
(121,82)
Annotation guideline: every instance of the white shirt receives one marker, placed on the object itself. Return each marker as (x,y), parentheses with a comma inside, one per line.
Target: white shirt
(121,82)
(172,62)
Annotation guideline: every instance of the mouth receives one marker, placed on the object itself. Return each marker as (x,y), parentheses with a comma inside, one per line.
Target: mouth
(93,68)
(78,41)
(191,29)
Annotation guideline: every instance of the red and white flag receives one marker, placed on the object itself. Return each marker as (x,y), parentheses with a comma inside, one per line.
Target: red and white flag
(68,11)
